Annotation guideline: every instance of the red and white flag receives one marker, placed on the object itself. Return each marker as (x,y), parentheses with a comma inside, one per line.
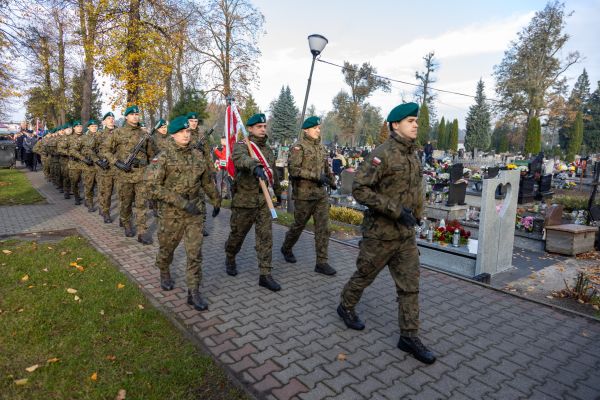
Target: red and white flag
(231,130)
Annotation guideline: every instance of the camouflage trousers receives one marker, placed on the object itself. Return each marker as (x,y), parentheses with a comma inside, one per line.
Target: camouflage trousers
(89,181)
(127,193)
(402,259)
(65,182)
(303,210)
(46,166)
(55,171)
(75,175)
(241,221)
(106,184)
(170,232)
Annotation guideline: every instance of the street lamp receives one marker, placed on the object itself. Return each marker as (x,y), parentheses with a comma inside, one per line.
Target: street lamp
(316,43)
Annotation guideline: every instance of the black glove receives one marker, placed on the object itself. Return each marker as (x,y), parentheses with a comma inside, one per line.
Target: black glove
(122,166)
(216,211)
(88,161)
(135,163)
(191,208)
(407,218)
(324,180)
(102,164)
(259,172)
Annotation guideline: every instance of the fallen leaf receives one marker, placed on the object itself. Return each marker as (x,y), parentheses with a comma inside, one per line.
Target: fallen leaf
(94,376)
(580,301)
(140,306)
(20,310)
(585,333)
(25,278)
(111,358)
(120,285)
(45,270)
(21,382)
(341,357)
(62,253)
(76,298)
(79,268)
(78,259)
(549,297)
(32,368)
(50,248)
(121,394)
(596,307)
(52,360)
(71,290)
(7,251)
(101,312)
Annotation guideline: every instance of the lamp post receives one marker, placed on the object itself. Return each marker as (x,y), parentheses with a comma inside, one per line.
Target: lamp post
(316,43)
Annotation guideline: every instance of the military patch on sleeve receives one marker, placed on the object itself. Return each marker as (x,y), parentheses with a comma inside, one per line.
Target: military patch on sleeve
(296,148)
(154,160)
(375,162)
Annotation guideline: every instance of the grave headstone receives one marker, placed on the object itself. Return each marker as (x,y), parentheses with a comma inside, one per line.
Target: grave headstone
(347,178)
(554,215)
(526,189)
(457,189)
(491,172)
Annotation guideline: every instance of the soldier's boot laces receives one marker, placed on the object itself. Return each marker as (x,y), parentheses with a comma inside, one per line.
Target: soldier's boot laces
(107,218)
(350,318)
(288,255)
(129,230)
(414,346)
(230,266)
(166,283)
(268,282)
(195,299)
(144,239)
(325,269)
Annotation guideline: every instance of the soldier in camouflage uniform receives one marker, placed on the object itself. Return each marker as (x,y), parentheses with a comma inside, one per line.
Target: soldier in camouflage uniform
(310,175)
(200,141)
(54,158)
(39,148)
(248,206)
(389,184)
(62,148)
(178,179)
(89,168)
(75,160)
(116,149)
(160,138)
(105,174)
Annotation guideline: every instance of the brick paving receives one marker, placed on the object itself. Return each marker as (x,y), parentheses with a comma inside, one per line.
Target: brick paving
(287,345)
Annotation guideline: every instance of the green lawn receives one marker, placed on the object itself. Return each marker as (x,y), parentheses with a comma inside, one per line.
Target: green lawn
(16,189)
(94,342)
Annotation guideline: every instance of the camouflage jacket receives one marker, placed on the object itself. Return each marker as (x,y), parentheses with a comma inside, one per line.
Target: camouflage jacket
(246,189)
(50,146)
(76,151)
(119,145)
(389,179)
(96,152)
(62,145)
(178,175)
(160,142)
(307,162)
(39,148)
(201,142)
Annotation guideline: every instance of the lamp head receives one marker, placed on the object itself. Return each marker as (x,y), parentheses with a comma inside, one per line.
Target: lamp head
(317,43)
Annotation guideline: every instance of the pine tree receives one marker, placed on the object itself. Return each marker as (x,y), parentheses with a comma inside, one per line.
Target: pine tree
(284,116)
(423,129)
(580,95)
(441,141)
(384,133)
(533,140)
(190,101)
(478,122)
(453,145)
(576,137)
(591,133)
(250,108)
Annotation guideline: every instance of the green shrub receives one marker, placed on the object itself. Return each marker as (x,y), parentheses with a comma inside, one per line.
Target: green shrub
(346,215)
(571,203)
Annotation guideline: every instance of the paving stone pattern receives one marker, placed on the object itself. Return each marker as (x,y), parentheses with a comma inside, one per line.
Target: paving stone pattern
(288,344)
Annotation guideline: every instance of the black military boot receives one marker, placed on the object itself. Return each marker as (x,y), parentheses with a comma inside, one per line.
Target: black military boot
(205,232)
(60,190)
(91,208)
(195,299)
(350,318)
(77,200)
(268,282)
(129,230)
(67,195)
(288,255)
(414,346)
(230,266)
(325,269)
(166,283)
(120,223)
(144,239)
(107,218)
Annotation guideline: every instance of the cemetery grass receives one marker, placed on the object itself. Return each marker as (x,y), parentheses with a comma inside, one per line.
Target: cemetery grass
(15,189)
(86,332)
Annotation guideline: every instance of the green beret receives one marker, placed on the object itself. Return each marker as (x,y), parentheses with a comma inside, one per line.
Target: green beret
(161,122)
(108,114)
(402,111)
(177,124)
(92,122)
(310,122)
(67,125)
(77,122)
(256,119)
(132,109)
(192,115)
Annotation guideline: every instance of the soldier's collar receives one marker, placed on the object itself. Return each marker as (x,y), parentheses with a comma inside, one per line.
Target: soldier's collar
(411,145)
(311,140)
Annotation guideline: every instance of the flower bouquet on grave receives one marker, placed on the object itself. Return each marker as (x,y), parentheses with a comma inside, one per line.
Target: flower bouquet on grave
(445,234)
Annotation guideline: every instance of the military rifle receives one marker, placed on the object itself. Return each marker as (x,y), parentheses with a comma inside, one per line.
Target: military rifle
(128,163)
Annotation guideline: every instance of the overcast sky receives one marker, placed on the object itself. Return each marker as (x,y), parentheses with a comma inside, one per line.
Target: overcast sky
(468,38)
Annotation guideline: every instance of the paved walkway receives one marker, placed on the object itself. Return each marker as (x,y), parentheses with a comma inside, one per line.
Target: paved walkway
(292,344)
